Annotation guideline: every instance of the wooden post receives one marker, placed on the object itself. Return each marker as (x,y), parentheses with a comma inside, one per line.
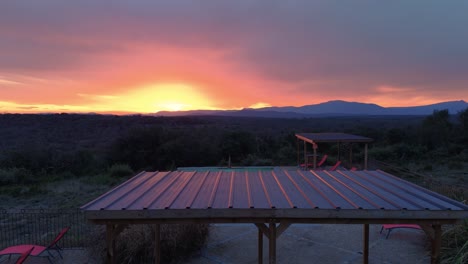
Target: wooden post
(157,243)
(260,246)
(110,241)
(305,155)
(272,244)
(365,157)
(315,156)
(298,153)
(350,155)
(436,244)
(365,250)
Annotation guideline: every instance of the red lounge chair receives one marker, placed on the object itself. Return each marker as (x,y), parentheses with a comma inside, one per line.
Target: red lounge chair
(335,166)
(353,169)
(38,250)
(390,227)
(24,256)
(320,163)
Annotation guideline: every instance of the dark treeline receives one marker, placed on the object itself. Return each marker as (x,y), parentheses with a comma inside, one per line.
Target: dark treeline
(70,145)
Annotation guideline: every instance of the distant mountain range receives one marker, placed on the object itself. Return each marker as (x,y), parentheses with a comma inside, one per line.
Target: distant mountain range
(331,108)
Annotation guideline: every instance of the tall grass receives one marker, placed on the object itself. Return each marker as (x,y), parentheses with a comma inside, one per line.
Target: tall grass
(455,245)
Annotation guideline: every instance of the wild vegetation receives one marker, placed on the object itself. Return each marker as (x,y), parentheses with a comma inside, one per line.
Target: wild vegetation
(77,157)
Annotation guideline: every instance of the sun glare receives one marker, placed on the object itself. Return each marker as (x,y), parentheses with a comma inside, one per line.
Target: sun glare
(164,97)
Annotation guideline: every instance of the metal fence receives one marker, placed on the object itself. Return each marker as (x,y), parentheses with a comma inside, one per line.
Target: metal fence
(41,226)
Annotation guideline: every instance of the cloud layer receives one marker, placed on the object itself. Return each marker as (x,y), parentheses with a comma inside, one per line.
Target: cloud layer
(234,53)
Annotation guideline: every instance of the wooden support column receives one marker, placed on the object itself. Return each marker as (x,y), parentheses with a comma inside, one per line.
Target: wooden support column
(157,243)
(315,156)
(365,250)
(110,242)
(112,231)
(305,156)
(365,157)
(272,243)
(351,155)
(260,246)
(298,153)
(436,244)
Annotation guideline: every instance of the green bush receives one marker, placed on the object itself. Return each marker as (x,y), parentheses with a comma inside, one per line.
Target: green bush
(120,171)
(455,245)
(16,176)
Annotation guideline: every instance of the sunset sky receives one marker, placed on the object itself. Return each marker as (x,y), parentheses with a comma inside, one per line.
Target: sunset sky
(147,56)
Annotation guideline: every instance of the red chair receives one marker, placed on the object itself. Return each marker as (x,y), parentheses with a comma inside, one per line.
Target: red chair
(37,250)
(320,163)
(390,227)
(338,163)
(24,256)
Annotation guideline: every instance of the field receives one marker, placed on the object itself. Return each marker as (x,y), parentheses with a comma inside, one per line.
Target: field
(65,160)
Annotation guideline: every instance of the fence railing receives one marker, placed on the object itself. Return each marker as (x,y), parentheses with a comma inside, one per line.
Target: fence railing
(41,226)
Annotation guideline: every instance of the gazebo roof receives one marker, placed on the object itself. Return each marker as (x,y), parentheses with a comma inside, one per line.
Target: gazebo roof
(275,193)
(332,137)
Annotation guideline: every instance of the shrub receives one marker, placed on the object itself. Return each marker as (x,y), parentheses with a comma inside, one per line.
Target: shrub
(455,245)
(135,244)
(120,171)
(16,176)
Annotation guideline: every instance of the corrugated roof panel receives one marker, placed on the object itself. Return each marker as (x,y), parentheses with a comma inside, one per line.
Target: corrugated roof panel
(278,188)
(359,199)
(158,190)
(298,198)
(328,191)
(221,199)
(314,196)
(129,196)
(171,193)
(240,197)
(416,191)
(402,200)
(278,198)
(259,199)
(370,193)
(187,197)
(116,193)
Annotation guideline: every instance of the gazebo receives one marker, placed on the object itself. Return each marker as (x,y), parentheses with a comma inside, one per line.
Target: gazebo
(339,138)
(271,199)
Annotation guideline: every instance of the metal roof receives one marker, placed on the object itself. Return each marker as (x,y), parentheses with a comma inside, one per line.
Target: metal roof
(332,137)
(277,192)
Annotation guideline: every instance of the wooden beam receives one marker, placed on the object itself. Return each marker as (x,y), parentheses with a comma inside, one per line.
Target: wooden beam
(272,243)
(436,244)
(264,229)
(365,250)
(157,243)
(261,215)
(281,228)
(260,246)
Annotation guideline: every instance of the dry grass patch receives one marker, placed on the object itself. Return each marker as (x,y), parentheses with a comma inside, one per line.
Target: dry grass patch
(136,243)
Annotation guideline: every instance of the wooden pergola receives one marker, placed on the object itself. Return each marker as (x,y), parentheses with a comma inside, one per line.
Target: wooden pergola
(339,138)
(272,200)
